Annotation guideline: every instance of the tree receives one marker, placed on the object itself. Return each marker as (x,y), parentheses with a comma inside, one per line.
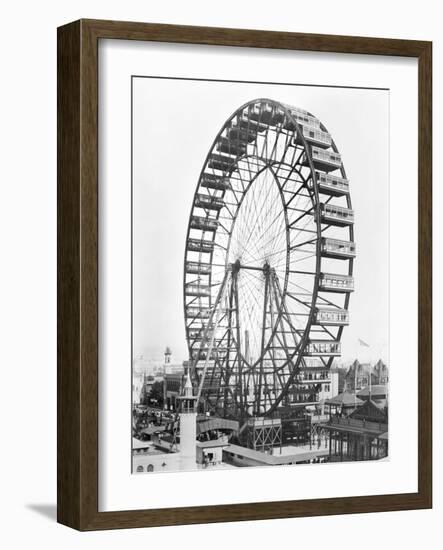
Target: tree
(156,394)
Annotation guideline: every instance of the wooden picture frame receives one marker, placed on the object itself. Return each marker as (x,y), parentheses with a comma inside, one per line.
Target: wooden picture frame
(78,273)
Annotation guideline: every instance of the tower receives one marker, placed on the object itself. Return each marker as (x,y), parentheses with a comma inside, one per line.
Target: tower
(168,354)
(188,426)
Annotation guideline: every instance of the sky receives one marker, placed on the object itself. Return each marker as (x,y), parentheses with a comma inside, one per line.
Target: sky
(174,125)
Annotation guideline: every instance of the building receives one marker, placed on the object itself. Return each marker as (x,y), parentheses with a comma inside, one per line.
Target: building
(343,404)
(380,374)
(359,375)
(363,435)
(210,453)
(312,384)
(143,364)
(330,387)
(377,393)
(148,381)
(174,368)
(172,384)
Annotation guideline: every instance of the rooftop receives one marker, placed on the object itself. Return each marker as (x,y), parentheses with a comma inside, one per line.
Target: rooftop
(137,444)
(153,429)
(345,398)
(374,391)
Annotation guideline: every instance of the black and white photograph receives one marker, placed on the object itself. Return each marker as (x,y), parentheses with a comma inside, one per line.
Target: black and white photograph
(260,274)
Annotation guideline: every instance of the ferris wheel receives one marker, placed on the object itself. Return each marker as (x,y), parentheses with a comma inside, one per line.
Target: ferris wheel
(268,261)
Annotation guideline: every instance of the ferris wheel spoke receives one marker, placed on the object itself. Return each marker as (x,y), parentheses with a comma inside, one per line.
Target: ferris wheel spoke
(235,194)
(277,216)
(297,230)
(253,208)
(294,297)
(271,245)
(279,241)
(286,145)
(303,243)
(295,333)
(288,179)
(328,302)
(227,207)
(294,166)
(233,178)
(323,330)
(252,315)
(305,213)
(272,155)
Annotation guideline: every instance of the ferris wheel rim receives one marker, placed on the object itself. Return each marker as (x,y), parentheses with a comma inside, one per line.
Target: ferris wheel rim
(316,201)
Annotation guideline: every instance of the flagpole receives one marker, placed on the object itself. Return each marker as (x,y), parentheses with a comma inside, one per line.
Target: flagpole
(366,345)
(355,387)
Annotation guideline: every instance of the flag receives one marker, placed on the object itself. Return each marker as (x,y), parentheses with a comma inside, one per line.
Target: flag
(363,343)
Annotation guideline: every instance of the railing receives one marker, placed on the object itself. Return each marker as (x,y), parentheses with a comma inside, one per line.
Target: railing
(332,183)
(339,213)
(246,123)
(240,136)
(233,147)
(266,113)
(206,201)
(302,116)
(329,157)
(314,134)
(206,224)
(320,379)
(197,290)
(196,333)
(221,162)
(261,422)
(215,353)
(323,348)
(355,423)
(304,398)
(332,316)
(199,245)
(336,246)
(332,281)
(201,313)
(212,181)
(197,267)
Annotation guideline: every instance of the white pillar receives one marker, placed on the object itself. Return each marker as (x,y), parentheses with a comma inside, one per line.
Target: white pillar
(188,427)
(188,438)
